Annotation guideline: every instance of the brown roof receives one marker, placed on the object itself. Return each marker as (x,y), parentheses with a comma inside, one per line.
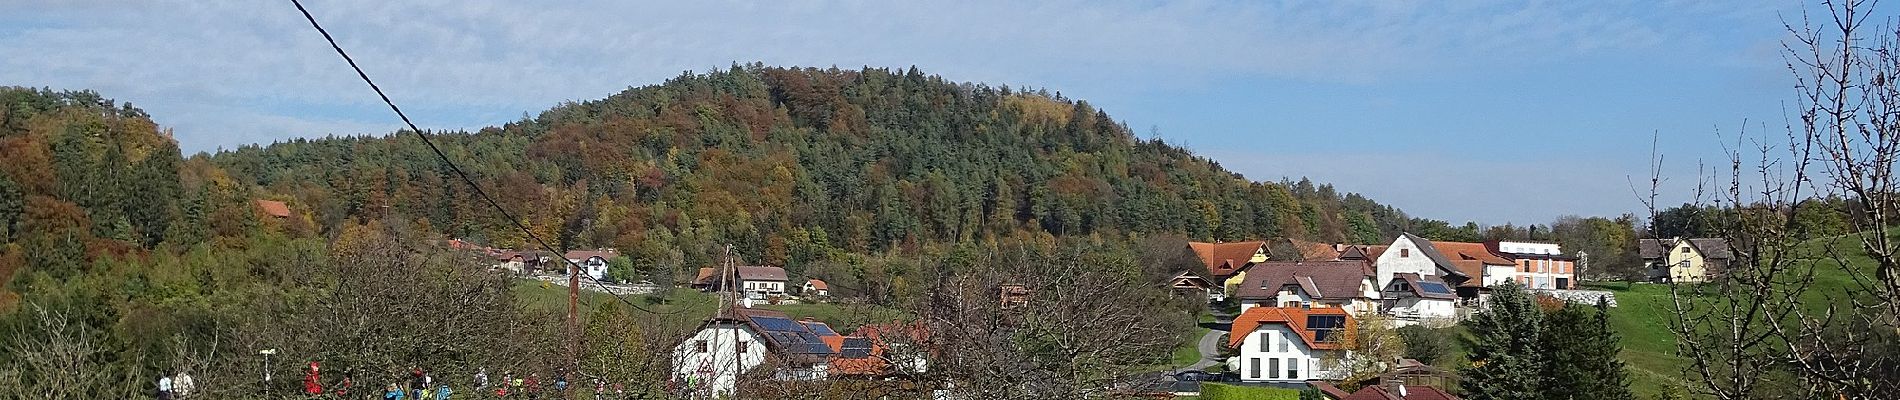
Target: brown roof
(1412,392)
(583,255)
(274,208)
(1716,248)
(1294,318)
(1457,251)
(1320,280)
(753,273)
(1473,268)
(1223,259)
(1412,281)
(817,284)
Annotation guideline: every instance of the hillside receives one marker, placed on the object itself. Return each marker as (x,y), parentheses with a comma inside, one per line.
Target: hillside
(798,167)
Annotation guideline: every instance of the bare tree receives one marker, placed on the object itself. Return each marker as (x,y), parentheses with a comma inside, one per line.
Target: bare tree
(1761,329)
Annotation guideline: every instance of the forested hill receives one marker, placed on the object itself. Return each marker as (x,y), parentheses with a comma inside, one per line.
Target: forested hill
(786,163)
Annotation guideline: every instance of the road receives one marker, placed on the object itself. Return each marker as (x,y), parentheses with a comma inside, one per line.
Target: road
(1210,346)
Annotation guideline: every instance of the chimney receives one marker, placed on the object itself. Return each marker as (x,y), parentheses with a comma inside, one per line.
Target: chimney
(1339,247)
(1394,386)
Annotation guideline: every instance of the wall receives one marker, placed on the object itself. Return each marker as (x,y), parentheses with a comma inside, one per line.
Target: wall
(1403,257)
(715,367)
(1295,350)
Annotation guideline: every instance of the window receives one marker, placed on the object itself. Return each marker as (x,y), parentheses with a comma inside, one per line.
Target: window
(1405,252)
(1293,368)
(1273,367)
(742,347)
(1685,249)
(699,346)
(1283,344)
(1266,342)
(1253,368)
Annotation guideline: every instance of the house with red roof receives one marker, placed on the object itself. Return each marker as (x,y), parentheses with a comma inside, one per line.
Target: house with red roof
(756,282)
(1417,282)
(1290,344)
(1342,284)
(273,208)
(816,287)
(592,262)
(1226,260)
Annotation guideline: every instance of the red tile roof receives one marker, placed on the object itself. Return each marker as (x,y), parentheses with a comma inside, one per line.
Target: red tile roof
(1223,259)
(817,284)
(1471,251)
(1309,251)
(1294,318)
(274,208)
(1412,392)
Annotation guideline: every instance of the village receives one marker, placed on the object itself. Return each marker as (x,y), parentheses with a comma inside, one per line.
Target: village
(1281,312)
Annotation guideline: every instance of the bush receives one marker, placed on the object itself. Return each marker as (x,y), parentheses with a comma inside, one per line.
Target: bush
(1427,345)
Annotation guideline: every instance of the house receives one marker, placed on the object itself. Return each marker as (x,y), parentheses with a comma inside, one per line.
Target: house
(592,262)
(1190,282)
(815,287)
(1413,299)
(756,282)
(1226,260)
(881,350)
(1013,295)
(273,208)
(1538,265)
(519,262)
(742,339)
(1290,345)
(1486,268)
(1342,284)
(1416,281)
(1684,260)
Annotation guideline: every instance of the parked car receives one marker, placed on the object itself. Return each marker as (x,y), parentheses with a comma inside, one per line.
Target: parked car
(1197,376)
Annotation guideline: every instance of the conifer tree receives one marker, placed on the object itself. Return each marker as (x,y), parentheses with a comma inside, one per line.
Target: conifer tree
(1505,352)
(1582,363)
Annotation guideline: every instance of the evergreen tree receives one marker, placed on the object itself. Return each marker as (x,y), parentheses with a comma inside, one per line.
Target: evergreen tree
(1505,356)
(1578,342)
(12,205)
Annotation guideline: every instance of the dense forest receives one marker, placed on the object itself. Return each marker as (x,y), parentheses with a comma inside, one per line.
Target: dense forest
(126,259)
(798,166)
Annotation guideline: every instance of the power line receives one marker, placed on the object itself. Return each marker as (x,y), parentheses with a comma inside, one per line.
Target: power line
(452,167)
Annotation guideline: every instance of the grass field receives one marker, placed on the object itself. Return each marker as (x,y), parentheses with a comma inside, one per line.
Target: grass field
(1643,314)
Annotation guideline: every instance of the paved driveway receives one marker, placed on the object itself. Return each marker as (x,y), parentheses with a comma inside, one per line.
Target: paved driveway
(1209,346)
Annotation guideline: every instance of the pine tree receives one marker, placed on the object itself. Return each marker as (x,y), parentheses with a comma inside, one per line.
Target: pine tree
(1579,345)
(1505,358)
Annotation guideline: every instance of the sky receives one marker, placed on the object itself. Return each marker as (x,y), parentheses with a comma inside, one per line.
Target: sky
(1485,111)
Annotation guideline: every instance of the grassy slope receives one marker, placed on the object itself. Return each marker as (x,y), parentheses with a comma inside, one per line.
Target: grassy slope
(1643,314)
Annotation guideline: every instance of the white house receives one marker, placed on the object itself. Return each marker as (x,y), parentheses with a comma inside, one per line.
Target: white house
(815,287)
(593,263)
(757,283)
(725,347)
(1539,265)
(1417,282)
(1290,345)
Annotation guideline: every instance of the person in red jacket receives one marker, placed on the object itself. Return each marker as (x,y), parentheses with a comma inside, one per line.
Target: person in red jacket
(312,383)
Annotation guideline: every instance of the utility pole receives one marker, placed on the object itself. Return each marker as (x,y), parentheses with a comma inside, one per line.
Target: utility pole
(573,325)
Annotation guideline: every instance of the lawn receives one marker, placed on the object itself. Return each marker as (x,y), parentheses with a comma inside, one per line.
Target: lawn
(1643,314)
(1218,391)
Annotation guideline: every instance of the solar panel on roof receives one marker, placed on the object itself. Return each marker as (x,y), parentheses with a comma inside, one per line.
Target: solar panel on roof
(778,324)
(821,329)
(1433,287)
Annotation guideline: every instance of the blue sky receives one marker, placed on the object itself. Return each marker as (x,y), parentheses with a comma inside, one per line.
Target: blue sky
(1486,111)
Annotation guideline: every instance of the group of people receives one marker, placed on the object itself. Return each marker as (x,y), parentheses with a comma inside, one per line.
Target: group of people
(175,386)
(421,386)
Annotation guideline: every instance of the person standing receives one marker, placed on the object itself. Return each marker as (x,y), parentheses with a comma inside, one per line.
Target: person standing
(182,385)
(481,379)
(165,386)
(443,392)
(394,392)
(312,381)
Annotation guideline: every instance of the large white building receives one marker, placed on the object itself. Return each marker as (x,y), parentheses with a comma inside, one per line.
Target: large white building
(1539,265)
(1417,282)
(725,347)
(1289,345)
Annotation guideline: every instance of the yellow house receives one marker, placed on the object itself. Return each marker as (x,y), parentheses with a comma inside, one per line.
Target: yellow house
(1227,262)
(1684,260)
